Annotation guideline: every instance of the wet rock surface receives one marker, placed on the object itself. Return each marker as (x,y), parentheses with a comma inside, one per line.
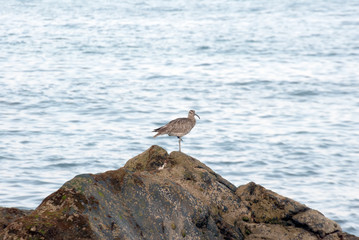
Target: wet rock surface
(157,195)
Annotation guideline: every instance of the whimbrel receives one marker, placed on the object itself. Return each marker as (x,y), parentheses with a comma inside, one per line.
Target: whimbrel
(178,127)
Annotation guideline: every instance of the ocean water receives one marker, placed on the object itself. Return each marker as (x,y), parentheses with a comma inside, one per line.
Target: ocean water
(276,84)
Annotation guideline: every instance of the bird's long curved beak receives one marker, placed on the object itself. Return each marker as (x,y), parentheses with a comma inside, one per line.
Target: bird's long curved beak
(197,116)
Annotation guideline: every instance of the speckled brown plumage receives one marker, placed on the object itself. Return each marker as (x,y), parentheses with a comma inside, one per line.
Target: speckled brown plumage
(178,127)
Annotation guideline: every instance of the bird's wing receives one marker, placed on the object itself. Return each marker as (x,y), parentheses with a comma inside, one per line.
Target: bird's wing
(177,125)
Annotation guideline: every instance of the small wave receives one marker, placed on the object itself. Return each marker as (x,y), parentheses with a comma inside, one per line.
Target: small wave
(350,23)
(304,93)
(201,48)
(164,9)
(10,103)
(245,83)
(94,52)
(203,65)
(63,165)
(225,163)
(156,77)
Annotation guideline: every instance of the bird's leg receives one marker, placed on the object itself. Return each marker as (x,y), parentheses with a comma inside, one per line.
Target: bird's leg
(179,142)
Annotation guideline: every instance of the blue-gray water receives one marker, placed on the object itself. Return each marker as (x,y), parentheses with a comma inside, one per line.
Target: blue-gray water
(276,84)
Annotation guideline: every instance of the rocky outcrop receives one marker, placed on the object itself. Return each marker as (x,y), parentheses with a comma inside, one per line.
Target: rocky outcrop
(272,216)
(157,195)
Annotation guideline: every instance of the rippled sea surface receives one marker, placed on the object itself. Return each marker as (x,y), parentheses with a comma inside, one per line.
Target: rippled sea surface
(276,84)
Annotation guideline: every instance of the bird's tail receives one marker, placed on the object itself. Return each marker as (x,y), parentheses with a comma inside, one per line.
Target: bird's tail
(157,135)
(159,132)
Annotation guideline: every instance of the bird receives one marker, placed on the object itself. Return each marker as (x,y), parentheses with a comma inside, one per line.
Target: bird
(178,127)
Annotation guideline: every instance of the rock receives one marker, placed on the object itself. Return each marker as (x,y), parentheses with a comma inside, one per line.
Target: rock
(157,195)
(272,216)
(316,222)
(267,206)
(8,215)
(258,231)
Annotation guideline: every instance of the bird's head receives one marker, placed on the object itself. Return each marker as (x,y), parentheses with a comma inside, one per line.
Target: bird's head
(192,113)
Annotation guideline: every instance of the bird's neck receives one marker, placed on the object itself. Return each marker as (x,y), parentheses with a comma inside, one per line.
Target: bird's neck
(191,118)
